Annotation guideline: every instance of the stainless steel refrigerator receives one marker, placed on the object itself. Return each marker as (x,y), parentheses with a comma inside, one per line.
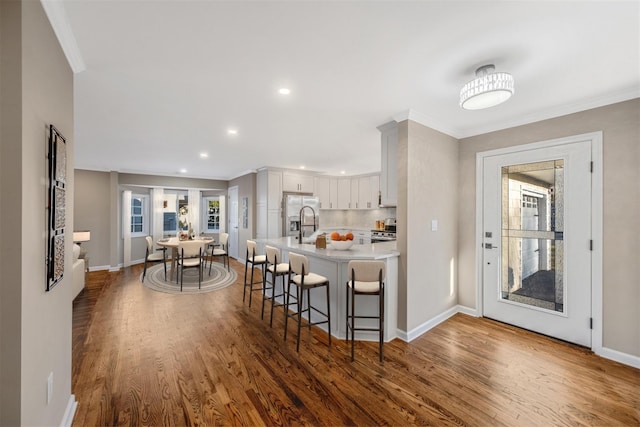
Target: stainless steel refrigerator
(293,221)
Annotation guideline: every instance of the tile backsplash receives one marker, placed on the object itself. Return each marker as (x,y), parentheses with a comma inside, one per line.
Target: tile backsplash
(355,218)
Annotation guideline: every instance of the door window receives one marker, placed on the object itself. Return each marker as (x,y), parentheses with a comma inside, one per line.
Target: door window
(532,234)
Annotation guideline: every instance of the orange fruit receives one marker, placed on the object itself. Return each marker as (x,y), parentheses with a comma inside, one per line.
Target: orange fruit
(343,237)
(349,236)
(335,236)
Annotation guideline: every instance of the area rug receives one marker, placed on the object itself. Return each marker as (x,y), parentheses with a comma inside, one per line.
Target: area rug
(219,278)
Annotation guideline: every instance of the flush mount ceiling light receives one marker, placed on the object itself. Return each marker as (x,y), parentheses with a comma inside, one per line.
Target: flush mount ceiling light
(284,91)
(487,89)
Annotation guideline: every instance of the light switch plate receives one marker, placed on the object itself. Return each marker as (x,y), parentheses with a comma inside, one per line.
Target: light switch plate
(434,225)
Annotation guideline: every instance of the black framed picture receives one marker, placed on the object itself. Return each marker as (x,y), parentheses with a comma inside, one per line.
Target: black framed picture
(56,206)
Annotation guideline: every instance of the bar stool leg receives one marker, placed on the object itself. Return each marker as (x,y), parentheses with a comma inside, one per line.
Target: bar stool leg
(381,296)
(286,311)
(328,315)
(353,321)
(246,267)
(300,294)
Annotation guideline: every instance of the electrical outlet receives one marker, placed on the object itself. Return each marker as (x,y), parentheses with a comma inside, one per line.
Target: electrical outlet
(49,388)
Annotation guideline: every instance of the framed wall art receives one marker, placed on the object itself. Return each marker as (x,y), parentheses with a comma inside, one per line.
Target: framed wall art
(56,206)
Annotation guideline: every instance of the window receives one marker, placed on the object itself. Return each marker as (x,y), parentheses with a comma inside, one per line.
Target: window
(139,215)
(211,214)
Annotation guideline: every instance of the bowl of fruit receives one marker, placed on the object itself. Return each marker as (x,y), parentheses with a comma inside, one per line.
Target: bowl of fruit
(341,242)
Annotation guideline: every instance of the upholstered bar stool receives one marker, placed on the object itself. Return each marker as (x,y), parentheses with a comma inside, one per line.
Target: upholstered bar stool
(300,276)
(254,260)
(365,278)
(276,269)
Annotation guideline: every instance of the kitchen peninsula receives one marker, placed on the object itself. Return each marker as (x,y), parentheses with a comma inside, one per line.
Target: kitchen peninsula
(332,264)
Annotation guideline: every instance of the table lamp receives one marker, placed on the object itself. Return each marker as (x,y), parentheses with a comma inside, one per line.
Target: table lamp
(81,236)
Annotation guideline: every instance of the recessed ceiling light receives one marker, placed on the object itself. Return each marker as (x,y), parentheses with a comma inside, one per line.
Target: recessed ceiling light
(302,167)
(183,170)
(284,91)
(343,172)
(204,155)
(232,131)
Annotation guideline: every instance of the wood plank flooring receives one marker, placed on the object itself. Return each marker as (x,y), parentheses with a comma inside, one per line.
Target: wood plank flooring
(142,357)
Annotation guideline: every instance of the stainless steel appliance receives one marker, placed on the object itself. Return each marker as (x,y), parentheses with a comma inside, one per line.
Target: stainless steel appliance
(382,236)
(390,224)
(295,222)
(387,234)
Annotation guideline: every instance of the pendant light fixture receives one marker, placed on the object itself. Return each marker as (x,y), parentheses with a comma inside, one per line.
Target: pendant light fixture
(487,89)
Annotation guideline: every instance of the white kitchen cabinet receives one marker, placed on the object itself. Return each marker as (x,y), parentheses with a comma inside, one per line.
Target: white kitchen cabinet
(274,224)
(374,191)
(297,183)
(322,191)
(269,203)
(344,193)
(362,237)
(389,167)
(355,190)
(364,192)
(261,220)
(274,198)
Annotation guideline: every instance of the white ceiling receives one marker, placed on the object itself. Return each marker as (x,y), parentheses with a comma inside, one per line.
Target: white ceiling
(164,80)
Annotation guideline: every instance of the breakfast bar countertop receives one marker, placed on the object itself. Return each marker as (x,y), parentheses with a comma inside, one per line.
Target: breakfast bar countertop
(380,250)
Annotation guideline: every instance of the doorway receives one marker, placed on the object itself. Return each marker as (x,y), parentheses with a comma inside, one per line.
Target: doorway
(536,234)
(233,222)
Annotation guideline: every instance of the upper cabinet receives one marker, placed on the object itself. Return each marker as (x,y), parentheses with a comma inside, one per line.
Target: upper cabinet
(297,183)
(327,191)
(368,189)
(344,193)
(348,193)
(389,167)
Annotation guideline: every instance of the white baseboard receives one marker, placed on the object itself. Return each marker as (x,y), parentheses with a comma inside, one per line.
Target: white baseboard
(607,353)
(431,323)
(617,356)
(67,419)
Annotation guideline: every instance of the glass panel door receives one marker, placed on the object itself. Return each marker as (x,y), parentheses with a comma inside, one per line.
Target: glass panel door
(536,258)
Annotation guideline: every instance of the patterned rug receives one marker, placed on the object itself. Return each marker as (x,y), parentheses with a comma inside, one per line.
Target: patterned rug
(219,278)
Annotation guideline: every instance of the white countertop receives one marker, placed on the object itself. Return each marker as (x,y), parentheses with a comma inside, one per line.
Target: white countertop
(372,251)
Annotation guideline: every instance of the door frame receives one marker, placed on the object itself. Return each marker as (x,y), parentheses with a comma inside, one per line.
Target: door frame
(237,233)
(596,222)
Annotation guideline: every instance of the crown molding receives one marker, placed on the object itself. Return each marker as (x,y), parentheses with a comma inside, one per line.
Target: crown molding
(551,113)
(428,121)
(58,18)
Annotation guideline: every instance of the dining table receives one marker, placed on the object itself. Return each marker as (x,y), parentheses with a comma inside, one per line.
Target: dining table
(174,243)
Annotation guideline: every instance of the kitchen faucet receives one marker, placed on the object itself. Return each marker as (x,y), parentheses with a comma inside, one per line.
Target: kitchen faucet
(302,224)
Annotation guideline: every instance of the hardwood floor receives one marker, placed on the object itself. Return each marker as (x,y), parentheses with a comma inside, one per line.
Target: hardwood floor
(142,357)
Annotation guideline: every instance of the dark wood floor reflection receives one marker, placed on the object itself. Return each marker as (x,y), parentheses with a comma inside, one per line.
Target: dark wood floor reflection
(142,357)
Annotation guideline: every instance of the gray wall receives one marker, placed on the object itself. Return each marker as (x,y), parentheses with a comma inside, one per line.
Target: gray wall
(36,89)
(427,187)
(620,124)
(92,212)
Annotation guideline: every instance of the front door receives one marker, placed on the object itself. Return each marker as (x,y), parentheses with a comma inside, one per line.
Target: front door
(536,261)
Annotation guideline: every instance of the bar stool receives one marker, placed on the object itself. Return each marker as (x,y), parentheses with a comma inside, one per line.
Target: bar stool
(254,260)
(367,278)
(277,269)
(304,281)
